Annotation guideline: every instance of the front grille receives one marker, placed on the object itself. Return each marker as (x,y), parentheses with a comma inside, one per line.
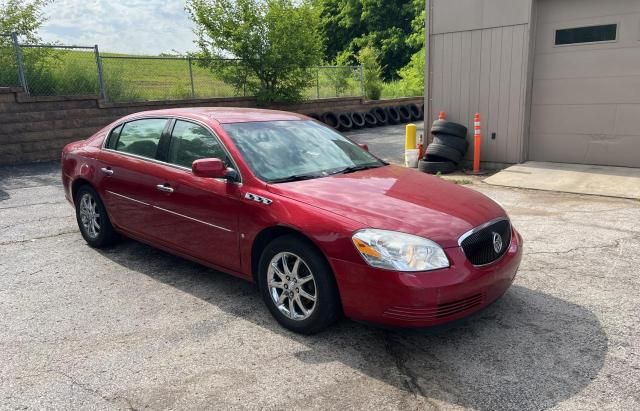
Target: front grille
(479,245)
(445,310)
(433,313)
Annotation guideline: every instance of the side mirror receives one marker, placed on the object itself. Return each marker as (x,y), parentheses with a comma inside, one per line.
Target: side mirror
(212,168)
(364,147)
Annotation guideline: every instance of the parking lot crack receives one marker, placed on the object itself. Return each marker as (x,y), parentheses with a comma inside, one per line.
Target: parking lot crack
(87,388)
(38,238)
(615,244)
(410,379)
(30,205)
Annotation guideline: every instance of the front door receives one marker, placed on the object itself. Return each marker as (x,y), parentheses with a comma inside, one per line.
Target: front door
(199,216)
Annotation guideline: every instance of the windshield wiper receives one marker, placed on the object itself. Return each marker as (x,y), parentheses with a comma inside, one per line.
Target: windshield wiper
(353,169)
(295,177)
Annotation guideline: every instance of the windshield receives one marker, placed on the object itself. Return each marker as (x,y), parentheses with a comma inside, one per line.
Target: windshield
(279,151)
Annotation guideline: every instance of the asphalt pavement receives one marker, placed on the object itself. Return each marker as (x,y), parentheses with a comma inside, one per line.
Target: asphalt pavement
(133,327)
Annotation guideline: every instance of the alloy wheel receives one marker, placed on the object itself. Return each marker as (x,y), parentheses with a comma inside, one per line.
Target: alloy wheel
(292,286)
(90,215)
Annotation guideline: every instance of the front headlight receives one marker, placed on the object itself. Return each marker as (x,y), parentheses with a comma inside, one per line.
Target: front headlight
(392,250)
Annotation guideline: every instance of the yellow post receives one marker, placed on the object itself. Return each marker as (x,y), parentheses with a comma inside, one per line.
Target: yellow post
(410,137)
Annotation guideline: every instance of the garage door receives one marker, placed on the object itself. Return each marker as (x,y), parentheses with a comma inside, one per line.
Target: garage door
(586,83)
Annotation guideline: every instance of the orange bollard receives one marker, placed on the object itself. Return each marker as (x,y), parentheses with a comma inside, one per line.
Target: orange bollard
(442,115)
(476,143)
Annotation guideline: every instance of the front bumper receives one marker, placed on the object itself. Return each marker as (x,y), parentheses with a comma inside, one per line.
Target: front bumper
(423,299)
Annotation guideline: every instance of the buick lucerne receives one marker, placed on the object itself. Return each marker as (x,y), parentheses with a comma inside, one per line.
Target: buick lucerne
(323,227)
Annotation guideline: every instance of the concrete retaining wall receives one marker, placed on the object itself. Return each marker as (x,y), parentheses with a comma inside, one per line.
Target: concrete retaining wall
(36,128)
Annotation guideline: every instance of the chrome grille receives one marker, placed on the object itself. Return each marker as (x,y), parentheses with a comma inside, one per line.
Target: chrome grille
(479,244)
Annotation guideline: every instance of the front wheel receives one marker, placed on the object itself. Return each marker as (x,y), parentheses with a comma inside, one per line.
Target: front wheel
(93,221)
(298,286)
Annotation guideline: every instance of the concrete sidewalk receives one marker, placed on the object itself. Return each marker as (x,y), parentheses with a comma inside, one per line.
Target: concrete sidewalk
(619,182)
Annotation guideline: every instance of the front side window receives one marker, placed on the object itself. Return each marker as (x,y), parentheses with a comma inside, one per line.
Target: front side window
(113,137)
(590,34)
(278,151)
(190,142)
(141,137)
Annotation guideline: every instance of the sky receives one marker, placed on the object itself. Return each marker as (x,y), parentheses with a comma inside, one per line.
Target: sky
(123,26)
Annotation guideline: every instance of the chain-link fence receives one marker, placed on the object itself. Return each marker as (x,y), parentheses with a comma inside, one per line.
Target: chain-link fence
(60,70)
(337,81)
(129,78)
(9,73)
(56,70)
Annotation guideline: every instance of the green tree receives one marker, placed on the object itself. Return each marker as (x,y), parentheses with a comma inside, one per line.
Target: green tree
(277,42)
(386,25)
(23,17)
(412,75)
(369,58)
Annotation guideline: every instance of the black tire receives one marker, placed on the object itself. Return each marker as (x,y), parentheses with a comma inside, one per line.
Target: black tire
(434,167)
(357,119)
(448,127)
(344,122)
(454,142)
(102,236)
(381,116)
(421,111)
(445,152)
(370,120)
(414,111)
(314,116)
(327,307)
(405,114)
(394,115)
(330,118)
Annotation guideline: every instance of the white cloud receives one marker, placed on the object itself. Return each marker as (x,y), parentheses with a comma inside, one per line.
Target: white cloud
(133,26)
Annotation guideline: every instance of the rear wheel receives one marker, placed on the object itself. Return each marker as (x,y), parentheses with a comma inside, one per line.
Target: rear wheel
(93,221)
(298,286)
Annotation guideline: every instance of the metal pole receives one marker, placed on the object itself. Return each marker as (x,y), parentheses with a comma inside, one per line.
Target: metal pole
(428,70)
(103,89)
(193,90)
(361,80)
(21,74)
(318,83)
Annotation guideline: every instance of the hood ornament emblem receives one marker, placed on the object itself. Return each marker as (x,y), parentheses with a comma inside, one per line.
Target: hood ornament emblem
(497,242)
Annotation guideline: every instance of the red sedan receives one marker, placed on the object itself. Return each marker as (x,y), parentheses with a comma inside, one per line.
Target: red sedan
(321,225)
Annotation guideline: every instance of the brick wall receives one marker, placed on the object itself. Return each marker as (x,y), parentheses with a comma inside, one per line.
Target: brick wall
(36,128)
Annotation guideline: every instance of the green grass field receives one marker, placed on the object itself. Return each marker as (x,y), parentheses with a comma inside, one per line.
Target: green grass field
(52,72)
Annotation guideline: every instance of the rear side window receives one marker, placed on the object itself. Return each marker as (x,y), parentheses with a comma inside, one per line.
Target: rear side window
(190,142)
(141,137)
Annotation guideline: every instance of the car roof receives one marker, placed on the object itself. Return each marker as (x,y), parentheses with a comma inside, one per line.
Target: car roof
(225,115)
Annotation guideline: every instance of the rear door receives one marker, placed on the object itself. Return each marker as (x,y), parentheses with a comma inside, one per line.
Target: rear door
(199,216)
(128,164)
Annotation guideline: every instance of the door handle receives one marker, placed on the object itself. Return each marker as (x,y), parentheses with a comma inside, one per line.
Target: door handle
(164,188)
(107,170)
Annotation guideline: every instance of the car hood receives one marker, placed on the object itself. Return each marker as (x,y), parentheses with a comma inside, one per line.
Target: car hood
(399,199)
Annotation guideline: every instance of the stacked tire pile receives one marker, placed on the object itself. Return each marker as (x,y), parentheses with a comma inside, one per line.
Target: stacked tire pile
(377,116)
(447,150)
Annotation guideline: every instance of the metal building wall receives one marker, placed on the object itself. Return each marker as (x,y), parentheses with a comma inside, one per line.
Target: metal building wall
(586,97)
(479,55)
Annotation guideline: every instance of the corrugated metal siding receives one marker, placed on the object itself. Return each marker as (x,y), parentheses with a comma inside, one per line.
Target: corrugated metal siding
(483,71)
(586,97)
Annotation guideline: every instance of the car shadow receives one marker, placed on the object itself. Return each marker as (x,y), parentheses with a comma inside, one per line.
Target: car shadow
(529,350)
